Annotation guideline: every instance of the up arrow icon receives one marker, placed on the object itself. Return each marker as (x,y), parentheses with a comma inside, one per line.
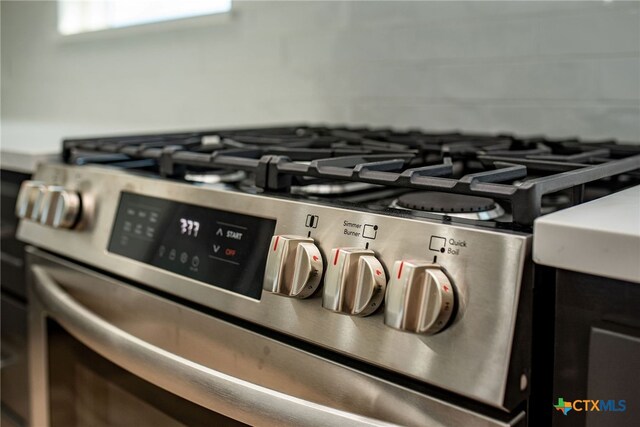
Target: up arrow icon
(219,232)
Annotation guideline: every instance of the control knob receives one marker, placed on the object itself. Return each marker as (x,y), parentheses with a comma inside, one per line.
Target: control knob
(354,283)
(294,266)
(419,298)
(58,207)
(29,197)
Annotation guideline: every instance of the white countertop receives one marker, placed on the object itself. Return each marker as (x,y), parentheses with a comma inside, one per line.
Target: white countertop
(24,144)
(601,237)
(20,156)
(24,162)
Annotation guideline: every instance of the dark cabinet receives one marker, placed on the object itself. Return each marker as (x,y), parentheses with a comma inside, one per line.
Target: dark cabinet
(597,351)
(13,368)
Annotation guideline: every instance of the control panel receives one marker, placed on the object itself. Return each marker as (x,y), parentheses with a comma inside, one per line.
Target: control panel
(221,248)
(432,299)
(230,251)
(419,298)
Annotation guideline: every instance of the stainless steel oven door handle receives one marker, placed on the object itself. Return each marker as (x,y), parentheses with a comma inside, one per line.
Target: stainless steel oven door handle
(247,402)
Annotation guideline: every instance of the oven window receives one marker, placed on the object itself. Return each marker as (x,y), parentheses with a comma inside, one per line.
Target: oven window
(85,389)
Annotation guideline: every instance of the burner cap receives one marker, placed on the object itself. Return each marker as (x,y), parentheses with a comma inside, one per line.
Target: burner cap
(432,201)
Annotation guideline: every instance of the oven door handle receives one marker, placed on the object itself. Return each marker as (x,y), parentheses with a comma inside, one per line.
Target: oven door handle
(244,401)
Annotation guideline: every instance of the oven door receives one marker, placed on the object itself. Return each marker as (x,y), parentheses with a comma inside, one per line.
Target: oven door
(107,353)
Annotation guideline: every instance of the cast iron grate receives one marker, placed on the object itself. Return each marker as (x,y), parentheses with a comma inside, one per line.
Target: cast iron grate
(518,171)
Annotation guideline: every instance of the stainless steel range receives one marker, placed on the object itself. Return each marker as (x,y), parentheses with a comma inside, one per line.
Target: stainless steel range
(329,274)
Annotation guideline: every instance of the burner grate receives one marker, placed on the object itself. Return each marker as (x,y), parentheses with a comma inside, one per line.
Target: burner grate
(515,170)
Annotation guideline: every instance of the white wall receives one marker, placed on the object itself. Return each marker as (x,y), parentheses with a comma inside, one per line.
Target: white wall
(564,68)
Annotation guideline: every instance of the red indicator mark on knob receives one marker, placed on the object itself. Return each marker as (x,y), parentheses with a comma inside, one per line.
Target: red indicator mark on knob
(446,288)
(275,245)
(378,272)
(400,269)
(335,258)
(315,257)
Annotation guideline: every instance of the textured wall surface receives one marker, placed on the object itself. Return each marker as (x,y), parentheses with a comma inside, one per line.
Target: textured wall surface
(563,68)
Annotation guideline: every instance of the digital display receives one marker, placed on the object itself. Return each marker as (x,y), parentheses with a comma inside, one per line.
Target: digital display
(220,248)
(189,227)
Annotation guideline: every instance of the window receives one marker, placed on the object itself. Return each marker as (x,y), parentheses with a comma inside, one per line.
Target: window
(79,16)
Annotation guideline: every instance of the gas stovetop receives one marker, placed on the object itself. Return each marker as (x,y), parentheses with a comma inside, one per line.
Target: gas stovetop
(369,243)
(501,178)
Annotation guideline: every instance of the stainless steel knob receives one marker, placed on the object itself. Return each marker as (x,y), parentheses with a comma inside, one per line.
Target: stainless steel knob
(419,298)
(30,192)
(59,208)
(294,267)
(354,283)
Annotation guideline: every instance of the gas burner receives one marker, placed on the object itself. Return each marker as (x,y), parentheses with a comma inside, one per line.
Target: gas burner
(456,205)
(214,177)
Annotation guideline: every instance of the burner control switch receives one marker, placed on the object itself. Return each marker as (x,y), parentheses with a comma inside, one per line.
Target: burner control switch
(294,267)
(29,198)
(419,298)
(60,208)
(50,205)
(354,283)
